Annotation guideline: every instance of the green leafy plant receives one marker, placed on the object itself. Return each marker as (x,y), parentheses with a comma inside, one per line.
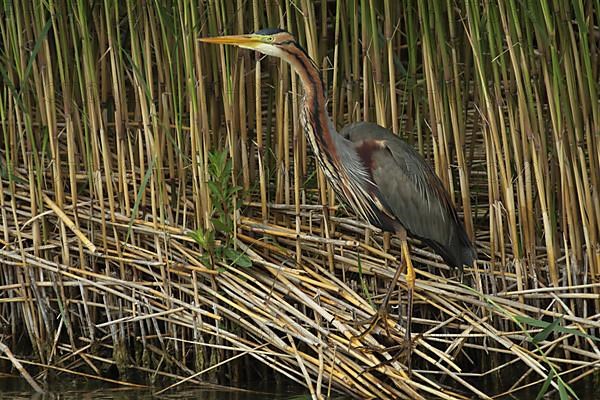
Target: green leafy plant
(565,391)
(217,241)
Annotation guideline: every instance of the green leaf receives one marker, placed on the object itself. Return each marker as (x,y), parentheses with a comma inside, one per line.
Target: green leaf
(205,259)
(531,321)
(230,254)
(237,258)
(209,239)
(570,390)
(363,283)
(215,190)
(543,335)
(140,194)
(219,226)
(233,191)
(217,161)
(545,386)
(543,324)
(562,391)
(243,261)
(227,169)
(36,48)
(198,236)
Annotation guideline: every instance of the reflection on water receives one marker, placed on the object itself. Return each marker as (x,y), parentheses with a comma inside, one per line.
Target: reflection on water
(69,389)
(77,389)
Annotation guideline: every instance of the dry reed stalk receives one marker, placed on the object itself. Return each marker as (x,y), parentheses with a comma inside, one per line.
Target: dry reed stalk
(17,364)
(245,303)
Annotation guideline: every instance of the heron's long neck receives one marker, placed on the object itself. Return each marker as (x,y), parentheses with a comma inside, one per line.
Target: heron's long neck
(315,119)
(336,155)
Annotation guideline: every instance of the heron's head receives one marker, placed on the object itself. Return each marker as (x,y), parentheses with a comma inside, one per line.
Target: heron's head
(271,41)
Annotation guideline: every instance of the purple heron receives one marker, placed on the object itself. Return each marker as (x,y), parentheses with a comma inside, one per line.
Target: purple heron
(382,178)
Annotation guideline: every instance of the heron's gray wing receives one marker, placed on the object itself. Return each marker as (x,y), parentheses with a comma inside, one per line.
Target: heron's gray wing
(407,183)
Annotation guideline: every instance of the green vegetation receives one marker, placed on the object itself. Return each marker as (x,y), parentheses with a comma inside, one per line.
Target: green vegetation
(218,240)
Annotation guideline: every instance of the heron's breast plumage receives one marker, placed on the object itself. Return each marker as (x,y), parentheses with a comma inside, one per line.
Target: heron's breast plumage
(341,165)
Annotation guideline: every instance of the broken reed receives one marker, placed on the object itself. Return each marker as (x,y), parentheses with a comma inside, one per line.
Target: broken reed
(110,110)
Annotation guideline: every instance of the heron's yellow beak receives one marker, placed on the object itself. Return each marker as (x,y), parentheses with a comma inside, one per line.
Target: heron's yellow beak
(245,41)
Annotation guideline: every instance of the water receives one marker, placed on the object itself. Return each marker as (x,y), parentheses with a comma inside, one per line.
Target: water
(75,389)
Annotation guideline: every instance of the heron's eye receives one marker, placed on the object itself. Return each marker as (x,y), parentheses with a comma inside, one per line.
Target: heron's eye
(271,39)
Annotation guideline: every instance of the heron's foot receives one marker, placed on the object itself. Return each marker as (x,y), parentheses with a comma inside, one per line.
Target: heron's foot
(381,315)
(400,353)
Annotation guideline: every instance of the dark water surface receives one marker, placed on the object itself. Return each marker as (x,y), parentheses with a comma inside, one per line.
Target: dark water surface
(75,389)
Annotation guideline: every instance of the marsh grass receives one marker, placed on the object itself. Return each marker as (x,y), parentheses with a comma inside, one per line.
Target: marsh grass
(112,114)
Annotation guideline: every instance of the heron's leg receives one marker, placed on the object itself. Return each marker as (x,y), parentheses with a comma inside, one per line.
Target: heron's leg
(410,283)
(382,313)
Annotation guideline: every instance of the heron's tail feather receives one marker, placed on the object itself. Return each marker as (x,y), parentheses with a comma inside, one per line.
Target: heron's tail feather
(456,254)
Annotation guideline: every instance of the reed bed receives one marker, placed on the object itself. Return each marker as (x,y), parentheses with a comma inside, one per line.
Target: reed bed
(163,221)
